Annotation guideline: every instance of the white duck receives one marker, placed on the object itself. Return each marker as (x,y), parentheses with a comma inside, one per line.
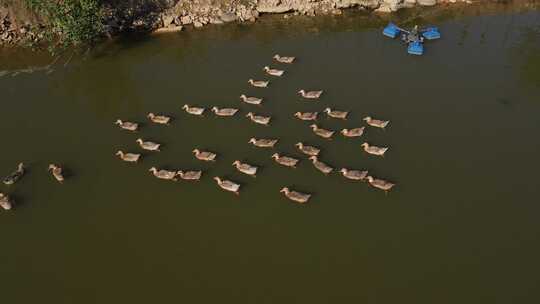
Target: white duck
(193,110)
(128,157)
(126,125)
(204,155)
(245,168)
(285,160)
(190,175)
(354,174)
(380,183)
(159,119)
(148,145)
(259,119)
(374,150)
(283,59)
(57,172)
(324,168)
(306,115)
(224,111)
(336,114)
(295,196)
(251,100)
(308,150)
(259,83)
(273,72)
(376,122)
(5,202)
(263,142)
(228,185)
(310,94)
(322,132)
(164,174)
(356,132)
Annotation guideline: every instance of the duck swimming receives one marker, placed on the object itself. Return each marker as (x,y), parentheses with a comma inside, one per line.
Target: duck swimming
(376,123)
(190,175)
(15,175)
(308,150)
(224,111)
(259,83)
(336,114)
(245,168)
(259,119)
(283,59)
(251,100)
(356,132)
(163,174)
(310,94)
(379,151)
(306,115)
(159,119)
(324,168)
(193,110)
(228,185)
(148,145)
(380,184)
(295,196)
(273,72)
(128,157)
(263,142)
(126,125)
(204,155)
(57,172)
(322,132)
(5,202)
(354,174)
(285,160)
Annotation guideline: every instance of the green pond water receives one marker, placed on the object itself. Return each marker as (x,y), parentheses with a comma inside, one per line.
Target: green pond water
(461,226)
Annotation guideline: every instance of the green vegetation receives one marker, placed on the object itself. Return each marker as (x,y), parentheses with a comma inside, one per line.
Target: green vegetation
(70,22)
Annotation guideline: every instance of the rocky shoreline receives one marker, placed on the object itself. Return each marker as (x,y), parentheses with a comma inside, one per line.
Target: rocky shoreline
(174,15)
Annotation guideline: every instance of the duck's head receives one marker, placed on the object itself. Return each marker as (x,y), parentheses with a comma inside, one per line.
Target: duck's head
(313,158)
(251,141)
(151,115)
(139,140)
(214,109)
(266,68)
(364,145)
(369,178)
(275,155)
(284,190)
(367,118)
(242,96)
(276,56)
(313,126)
(236,162)
(185,107)
(297,114)
(20,166)
(217,179)
(118,122)
(299,144)
(327,110)
(344,131)
(196,151)
(153,169)
(250,80)
(52,166)
(343,170)
(250,114)
(301,91)
(119,152)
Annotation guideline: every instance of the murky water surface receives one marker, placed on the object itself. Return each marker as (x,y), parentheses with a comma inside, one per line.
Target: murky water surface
(461,226)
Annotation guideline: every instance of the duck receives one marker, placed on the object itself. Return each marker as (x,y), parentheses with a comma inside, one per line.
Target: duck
(159,119)
(263,142)
(380,183)
(164,174)
(356,132)
(273,72)
(15,175)
(251,100)
(336,114)
(193,110)
(127,125)
(376,122)
(295,196)
(57,172)
(259,83)
(128,157)
(5,202)
(190,175)
(285,160)
(204,155)
(379,151)
(310,94)
(322,132)
(245,168)
(353,174)
(148,145)
(259,119)
(224,111)
(283,59)
(308,150)
(306,115)
(324,168)
(228,185)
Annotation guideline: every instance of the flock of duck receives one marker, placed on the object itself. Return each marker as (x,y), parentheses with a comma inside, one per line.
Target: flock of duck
(195,175)
(287,161)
